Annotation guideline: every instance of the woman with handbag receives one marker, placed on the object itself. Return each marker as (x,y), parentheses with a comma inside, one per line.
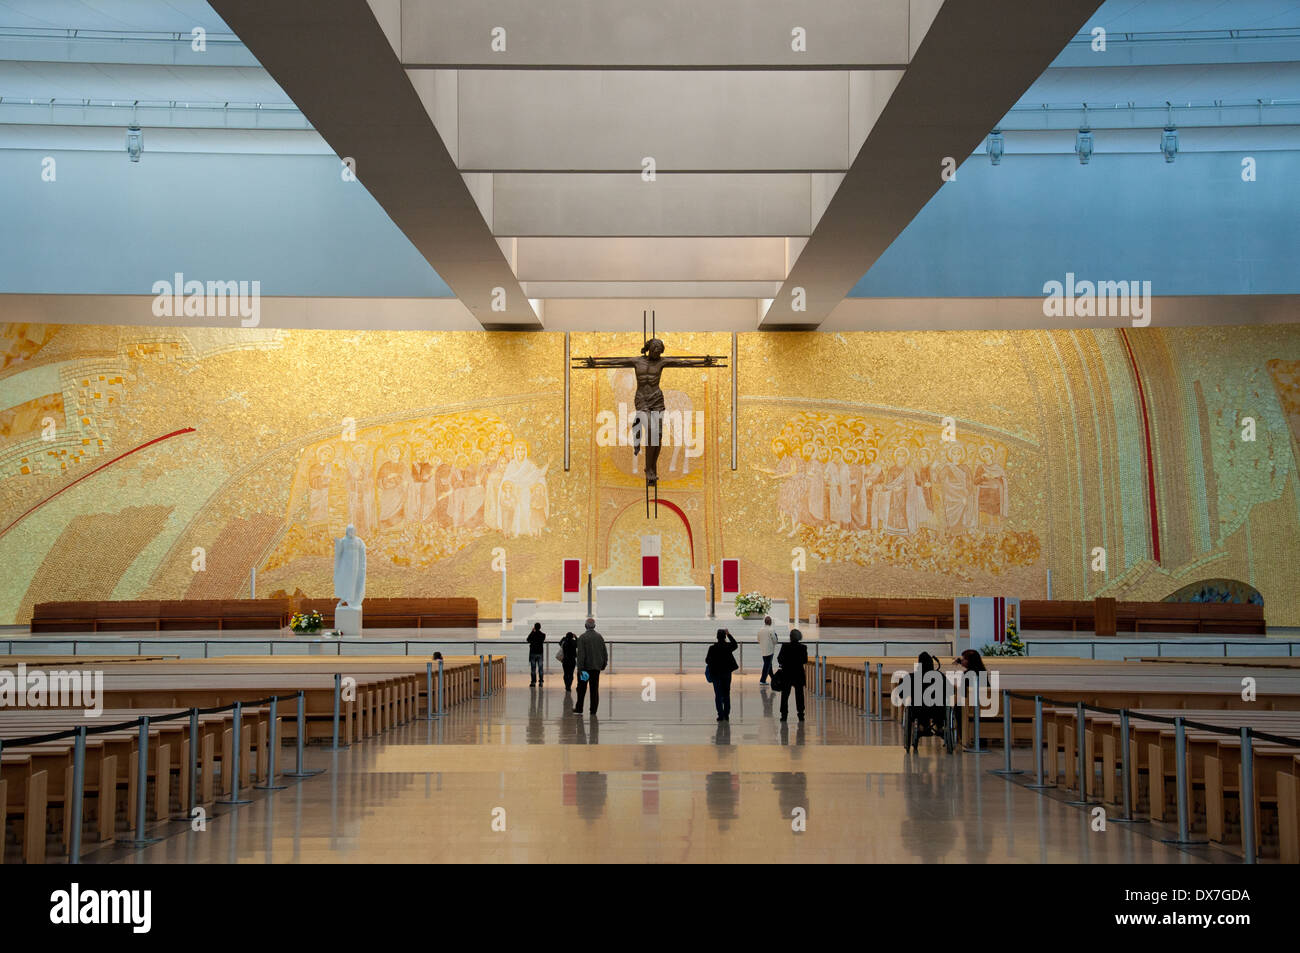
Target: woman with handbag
(567,656)
(718,666)
(792,658)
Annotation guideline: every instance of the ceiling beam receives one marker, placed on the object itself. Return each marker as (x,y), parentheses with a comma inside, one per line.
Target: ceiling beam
(974,64)
(668,34)
(334,61)
(610,204)
(686,121)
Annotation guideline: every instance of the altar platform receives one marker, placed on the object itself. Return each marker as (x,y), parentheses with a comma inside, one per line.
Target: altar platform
(619,620)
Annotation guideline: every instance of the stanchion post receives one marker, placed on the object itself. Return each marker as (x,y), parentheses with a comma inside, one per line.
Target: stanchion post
(482,693)
(1080,755)
(878,697)
(970,687)
(680,670)
(273,745)
(1247,795)
(1038,744)
(867,703)
(1006,736)
(1125,770)
(1180,778)
(192,766)
(300,771)
(236,731)
(440,695)
(428,691)
(78,788)
(141,788)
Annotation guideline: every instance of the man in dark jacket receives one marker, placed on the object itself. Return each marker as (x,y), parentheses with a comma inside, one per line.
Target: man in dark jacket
(721,662)
(536,660)
(568,658)
(591,660)
(792,658)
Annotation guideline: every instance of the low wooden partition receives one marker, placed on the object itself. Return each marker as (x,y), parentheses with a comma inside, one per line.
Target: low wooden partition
(1206,618)
(886,613)
(220,615)
(1057,615)
(36,780)
(160,615)
(448,613)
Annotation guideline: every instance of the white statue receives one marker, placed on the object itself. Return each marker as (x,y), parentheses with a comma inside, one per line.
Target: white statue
(350,568)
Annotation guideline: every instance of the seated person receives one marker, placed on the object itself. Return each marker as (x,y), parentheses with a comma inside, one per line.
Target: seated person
(929,686)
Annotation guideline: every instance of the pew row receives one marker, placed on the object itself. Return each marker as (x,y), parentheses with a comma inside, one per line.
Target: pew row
(1208,618)
(200,615)
(36,780)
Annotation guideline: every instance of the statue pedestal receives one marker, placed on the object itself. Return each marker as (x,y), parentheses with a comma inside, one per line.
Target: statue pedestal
(347,619)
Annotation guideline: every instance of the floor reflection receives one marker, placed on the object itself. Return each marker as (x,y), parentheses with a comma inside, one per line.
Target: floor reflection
(654,778)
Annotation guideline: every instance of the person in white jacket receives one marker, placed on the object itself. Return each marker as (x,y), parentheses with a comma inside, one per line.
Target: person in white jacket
(766,648)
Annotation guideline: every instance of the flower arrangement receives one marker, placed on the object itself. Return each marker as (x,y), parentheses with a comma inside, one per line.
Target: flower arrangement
(753,603)
(1012,646)
(307,621)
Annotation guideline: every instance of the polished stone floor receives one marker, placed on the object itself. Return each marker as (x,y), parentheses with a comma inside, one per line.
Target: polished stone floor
(652,778)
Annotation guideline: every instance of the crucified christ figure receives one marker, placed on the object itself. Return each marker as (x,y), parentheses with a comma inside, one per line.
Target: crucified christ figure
(649,401)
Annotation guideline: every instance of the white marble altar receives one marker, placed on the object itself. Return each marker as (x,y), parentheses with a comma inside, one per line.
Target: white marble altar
(669,602)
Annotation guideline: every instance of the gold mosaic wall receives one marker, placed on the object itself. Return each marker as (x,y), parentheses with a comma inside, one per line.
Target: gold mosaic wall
(167,462)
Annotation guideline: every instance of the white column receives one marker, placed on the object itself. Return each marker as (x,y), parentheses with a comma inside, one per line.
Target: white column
(503,596)
(795,620)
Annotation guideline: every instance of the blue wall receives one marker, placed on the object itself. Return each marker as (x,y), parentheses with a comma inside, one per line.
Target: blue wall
(1189,227)
(111,226)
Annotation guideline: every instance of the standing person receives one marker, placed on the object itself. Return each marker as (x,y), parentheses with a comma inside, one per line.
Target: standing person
(591,660)
(536,643)
(568,658)
(766,648)
(721,662)
(792,659)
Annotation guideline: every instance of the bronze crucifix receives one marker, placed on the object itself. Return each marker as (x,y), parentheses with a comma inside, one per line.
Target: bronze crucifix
(649,401)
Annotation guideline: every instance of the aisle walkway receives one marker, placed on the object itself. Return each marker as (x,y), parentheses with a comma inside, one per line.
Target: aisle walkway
(652,779)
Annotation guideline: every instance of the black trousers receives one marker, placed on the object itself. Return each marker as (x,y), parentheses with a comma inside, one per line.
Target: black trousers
(722,695)
(594,682)
(568,674)
(798,700)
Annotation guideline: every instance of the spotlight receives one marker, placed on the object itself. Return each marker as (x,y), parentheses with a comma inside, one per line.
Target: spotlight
(1083,145)
(995,146)
(1169,143)
(134,142)
(1169,138)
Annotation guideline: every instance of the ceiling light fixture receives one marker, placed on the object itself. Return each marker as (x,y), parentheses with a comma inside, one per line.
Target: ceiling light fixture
(134,142)
(995,146)
(1083,139)
(1169,138)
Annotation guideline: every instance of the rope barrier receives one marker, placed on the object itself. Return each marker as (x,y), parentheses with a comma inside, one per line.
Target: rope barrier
(125,725)
(1159,719)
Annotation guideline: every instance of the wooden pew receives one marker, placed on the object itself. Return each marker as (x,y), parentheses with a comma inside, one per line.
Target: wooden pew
(1213,763)
(389,690)
(885,613)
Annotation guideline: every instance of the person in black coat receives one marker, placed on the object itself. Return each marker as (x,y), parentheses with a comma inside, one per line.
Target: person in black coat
(792,658)
(569,658)
(536,646)
(721,662)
